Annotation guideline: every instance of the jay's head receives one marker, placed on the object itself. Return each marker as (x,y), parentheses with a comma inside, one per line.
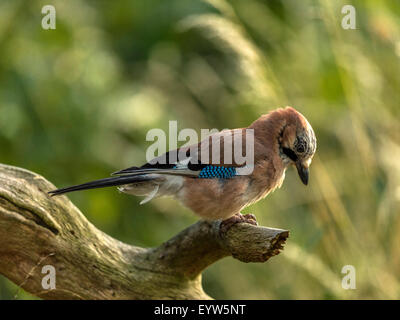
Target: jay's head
(297,142)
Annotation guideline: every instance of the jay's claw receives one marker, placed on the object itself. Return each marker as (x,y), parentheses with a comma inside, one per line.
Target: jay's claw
(237,218)
(250,218)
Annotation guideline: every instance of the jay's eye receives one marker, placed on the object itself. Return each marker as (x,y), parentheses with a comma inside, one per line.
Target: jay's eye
(290,153)
(300,145)
(300,149)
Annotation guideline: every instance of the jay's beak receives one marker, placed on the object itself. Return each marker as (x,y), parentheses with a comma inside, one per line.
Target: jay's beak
(302,170)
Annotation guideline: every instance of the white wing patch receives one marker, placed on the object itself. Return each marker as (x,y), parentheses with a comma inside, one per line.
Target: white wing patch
(150,196)
(182,164)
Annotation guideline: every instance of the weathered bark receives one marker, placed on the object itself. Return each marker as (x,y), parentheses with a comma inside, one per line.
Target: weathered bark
(38,230)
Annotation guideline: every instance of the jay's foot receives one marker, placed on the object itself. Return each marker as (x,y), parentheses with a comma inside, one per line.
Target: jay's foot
(237,218)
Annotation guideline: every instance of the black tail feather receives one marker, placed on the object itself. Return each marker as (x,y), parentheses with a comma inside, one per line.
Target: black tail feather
(107,182)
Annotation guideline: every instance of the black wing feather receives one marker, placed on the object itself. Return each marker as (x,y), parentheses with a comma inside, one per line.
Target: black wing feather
(107,182)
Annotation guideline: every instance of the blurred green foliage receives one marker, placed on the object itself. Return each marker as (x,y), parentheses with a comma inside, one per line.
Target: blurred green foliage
(76,104)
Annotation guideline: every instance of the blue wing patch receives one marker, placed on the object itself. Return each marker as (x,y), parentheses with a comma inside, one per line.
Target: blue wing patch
(210,172)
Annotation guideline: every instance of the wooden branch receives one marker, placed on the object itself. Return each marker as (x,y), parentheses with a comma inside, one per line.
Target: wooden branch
(37,230)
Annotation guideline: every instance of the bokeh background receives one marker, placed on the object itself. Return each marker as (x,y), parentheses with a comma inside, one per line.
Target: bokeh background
(76,104)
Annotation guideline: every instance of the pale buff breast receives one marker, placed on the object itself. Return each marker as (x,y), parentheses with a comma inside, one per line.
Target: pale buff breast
(214,199)
(267,177)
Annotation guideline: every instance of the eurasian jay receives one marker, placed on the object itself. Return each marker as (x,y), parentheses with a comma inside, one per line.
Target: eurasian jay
(219,191)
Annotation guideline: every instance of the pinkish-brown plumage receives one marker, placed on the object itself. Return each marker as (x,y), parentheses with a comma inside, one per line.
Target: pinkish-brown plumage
(281,138)
(213,199)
